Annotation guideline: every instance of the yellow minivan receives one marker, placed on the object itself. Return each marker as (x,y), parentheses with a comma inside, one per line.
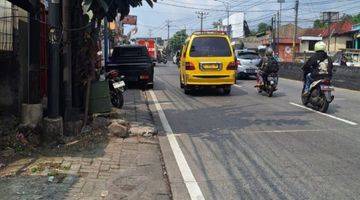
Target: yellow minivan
(207,60)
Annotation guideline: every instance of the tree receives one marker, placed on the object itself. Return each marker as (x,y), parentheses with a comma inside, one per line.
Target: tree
(110,8)
(177,40)
(88,36)
(262,27)
(319,24)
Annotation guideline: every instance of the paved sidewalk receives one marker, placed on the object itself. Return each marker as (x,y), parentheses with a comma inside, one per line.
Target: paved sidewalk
(117,169)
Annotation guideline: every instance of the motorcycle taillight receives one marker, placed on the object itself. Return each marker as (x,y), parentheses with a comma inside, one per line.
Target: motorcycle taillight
(326,82)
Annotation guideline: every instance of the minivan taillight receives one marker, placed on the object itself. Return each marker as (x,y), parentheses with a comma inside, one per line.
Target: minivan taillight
(189,66)
(232,66)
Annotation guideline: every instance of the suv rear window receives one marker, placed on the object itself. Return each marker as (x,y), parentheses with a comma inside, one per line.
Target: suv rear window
(248,56)
(210,47)
(129,52)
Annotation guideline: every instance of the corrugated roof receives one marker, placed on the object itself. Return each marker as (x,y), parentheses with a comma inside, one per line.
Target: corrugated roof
(338,28)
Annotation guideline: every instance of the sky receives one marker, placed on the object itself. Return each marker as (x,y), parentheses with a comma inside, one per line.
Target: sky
(182,13)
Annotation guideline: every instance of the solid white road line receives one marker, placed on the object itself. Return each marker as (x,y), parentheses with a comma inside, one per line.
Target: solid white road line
(290,131)
(189,179)
(327,115)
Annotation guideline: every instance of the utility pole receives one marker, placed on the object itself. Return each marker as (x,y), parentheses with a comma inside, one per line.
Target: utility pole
(278,32)
(228,18)
(295,30)
(150,33)
(273,32)
(201,16)
(106,40)
(168,30)
(67,58)
(54,69)
(53,123)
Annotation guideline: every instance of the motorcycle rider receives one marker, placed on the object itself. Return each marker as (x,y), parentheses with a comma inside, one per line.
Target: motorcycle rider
(267,65)
(319,66)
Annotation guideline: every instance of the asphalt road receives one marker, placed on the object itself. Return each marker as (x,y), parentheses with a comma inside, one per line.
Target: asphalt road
(249,146)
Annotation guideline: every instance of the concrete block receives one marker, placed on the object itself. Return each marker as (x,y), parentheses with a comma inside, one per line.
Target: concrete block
(31,114)
(53,128)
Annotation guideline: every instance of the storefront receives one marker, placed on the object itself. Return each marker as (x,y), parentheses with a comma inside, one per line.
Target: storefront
(356,29)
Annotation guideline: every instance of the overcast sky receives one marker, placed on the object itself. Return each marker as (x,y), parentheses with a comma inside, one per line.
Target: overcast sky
(182,14)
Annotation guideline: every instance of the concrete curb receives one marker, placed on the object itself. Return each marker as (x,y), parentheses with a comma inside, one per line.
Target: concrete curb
(176,183)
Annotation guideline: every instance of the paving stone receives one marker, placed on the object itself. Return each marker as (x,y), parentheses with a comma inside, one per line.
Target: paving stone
(105,167)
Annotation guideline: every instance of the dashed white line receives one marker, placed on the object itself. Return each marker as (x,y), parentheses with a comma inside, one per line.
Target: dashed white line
(189,179)
(324,114)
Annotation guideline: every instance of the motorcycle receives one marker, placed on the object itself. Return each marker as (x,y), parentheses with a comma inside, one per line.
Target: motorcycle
(270,85)
(320,95)
(117,88)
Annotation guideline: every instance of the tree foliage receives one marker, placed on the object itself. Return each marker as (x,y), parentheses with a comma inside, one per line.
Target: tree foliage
(110,8)
(177,40)
(263,27)
(319,24)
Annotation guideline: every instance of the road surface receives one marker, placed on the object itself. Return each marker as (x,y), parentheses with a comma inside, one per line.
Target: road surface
(249,146)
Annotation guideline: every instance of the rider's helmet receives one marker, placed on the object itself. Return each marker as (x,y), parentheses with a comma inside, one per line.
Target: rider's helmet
(269,51)
(320,46)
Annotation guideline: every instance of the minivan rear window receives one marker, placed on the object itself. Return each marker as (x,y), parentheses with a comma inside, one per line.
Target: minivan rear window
(210,47)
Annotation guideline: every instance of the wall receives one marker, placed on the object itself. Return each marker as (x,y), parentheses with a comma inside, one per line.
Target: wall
(304,46)
(14,68)
(338,42)
(344,77)
(285,51)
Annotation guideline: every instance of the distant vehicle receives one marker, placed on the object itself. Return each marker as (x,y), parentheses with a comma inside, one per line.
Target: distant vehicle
(134,63)
(207,60)
(248,63)
(270,85)
(150,44)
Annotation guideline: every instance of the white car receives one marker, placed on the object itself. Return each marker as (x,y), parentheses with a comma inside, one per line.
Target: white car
(248,63)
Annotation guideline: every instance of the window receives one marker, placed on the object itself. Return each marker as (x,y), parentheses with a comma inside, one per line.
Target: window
(248,56)
(6,26)
(349,44)
(210,47)
(312,45)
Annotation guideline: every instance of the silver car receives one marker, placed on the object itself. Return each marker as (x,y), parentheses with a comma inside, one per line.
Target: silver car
(248,63)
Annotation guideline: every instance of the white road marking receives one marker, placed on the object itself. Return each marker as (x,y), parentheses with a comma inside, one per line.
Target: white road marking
(290,131)
(189,179)
(327,115)
(238,86)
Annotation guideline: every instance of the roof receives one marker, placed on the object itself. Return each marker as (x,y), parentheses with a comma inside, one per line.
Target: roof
(316,32)
(287,31)
(338,28)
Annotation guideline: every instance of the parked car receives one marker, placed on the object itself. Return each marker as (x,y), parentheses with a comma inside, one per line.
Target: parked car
(207,60)
(134,63)
(248,62)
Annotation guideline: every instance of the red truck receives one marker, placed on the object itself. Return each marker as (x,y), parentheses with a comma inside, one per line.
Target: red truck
(150,45)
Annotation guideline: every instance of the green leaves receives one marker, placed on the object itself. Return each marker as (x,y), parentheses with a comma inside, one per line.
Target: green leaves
(110,8)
